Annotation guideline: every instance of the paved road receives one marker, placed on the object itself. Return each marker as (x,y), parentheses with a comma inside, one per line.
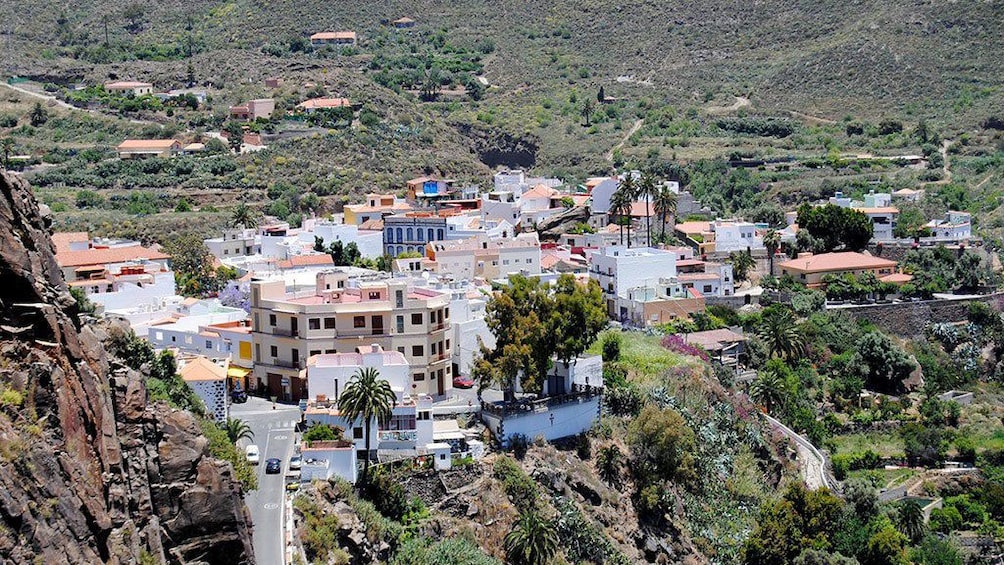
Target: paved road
(810,459)
(274,434)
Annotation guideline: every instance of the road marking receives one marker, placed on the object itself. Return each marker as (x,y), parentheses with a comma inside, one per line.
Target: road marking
(280,438)
(270,506)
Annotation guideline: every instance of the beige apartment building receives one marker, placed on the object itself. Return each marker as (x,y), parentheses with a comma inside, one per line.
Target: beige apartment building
(336,317)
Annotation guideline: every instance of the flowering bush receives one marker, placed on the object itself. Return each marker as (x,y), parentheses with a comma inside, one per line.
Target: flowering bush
(676,344)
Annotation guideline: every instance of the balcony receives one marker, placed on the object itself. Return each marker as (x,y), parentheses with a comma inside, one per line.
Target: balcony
(276,362)
(287,332)
(437,327)
(398,435)
(363,332)
(438,357)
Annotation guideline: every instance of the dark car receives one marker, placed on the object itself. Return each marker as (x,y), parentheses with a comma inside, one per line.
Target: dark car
(273,466)
(238,396)
(463,382)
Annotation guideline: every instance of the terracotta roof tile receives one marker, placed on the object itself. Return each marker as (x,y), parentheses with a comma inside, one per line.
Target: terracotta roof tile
(108,255)
(844,261)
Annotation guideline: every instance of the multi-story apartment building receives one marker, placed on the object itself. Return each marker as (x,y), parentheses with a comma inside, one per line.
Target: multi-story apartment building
(486,258)
(618,268)
(235,242)
(338,316)
(411,231)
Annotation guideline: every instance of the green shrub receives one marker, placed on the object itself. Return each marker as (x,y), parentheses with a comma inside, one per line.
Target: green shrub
(222,448)
(517,484)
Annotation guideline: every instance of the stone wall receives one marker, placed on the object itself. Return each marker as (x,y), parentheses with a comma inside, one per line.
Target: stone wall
(908,319)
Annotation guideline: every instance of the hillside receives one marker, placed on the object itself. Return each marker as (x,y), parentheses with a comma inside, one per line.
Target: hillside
(808,82)
(90,471)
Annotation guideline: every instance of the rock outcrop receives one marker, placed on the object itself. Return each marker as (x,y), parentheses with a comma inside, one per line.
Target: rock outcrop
(89,472)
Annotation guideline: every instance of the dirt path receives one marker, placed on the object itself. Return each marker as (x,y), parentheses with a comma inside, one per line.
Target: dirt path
(946,171)
(810,118)
(46,97)
(634,128)
(741,102)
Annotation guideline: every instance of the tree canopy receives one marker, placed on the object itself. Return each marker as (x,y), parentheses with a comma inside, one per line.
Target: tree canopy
(836,227)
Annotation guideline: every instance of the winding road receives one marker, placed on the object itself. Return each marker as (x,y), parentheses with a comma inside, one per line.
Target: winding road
(810,460)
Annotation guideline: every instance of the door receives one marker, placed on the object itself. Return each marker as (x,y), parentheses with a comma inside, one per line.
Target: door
(274,385)
(294,324)
(439,382)
(377,323)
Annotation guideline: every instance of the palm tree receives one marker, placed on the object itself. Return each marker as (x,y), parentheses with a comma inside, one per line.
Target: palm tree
(367,397)
(780,334)
(532,541)
(608,465)
(617,204)
(665,205)
(769,390)
(245,216)
(647,190)
(237,430)
(911,520)
(7,146)
(627,189)
(772,241)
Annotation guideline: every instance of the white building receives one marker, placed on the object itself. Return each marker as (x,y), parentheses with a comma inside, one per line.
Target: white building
(570,405)
(878,207)
(955,226)
(500,207)
(470,330)
(488,259)
(189,335)
(735,235)
(369,242)
(209,382)
(130,286)
(411,425)
(618,268)
(517,182)
(234,242)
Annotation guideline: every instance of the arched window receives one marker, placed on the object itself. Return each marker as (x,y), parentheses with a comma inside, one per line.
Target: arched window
(431,234)
(421,235)
(410,235)
(399,234)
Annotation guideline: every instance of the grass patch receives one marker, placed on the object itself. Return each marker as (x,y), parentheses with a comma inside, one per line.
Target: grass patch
(643,356)
(886,444)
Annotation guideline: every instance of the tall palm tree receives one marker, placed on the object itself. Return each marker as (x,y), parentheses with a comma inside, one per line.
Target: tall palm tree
(628,192)
(245,216)
(616,207)
(647,190)
(769,390)
(237,430)
(608,465)
(367,397)
(665,205)
(911,520)
(772,241)
(780,334)
(532,541)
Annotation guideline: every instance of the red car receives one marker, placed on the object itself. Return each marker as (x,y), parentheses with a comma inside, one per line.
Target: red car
(461,381)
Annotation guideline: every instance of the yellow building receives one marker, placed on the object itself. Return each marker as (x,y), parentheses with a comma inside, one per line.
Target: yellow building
(810,269)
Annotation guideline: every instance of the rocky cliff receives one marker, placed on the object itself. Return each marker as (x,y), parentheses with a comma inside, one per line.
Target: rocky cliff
(89,472)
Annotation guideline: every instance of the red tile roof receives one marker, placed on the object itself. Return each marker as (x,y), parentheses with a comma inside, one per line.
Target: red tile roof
(109,255)
(62,240)
(844,261)
(158,144)
(306,261)
(316,103)
(328,35)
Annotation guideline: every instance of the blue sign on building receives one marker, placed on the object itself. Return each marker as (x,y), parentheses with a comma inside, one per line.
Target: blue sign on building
(430,187)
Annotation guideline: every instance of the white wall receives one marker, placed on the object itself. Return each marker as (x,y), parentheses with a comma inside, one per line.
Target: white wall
(468,317)
(339,463)
(370,243)
(601,194)
(214,395)
(129,295)
(569,419)
(630,268)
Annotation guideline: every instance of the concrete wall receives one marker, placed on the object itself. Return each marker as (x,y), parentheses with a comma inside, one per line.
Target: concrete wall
(569,419)
(909,318)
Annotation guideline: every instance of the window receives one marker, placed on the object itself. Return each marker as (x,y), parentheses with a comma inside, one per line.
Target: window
(401,350)
(357,433)
(447,344)
(505,261)
(374,295)
(416,319)
(271,320)
(419,376)
(314,324)
(424,415)
(329,323)
(315,352)
(174,338)
(446,313)
(274,351)
(707,288)
(400,324)
(410,235)
(417,351)
(209,344)
(359,322)
(399,298)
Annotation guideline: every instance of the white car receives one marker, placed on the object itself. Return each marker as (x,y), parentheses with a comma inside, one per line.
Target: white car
(295,462)
(252,454)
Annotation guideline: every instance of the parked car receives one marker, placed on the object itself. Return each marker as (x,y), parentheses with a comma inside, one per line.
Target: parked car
(461,381)
(295,462)
(273,466)
(238,396)
(251,452)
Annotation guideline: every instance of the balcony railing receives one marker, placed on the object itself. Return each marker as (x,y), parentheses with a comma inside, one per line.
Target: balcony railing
(362,332)
(438,357)
(398,435)
(276,362)
(527,406)
(437,327)
(288,332)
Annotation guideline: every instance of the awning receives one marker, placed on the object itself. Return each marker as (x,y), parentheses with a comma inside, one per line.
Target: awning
(237,372)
